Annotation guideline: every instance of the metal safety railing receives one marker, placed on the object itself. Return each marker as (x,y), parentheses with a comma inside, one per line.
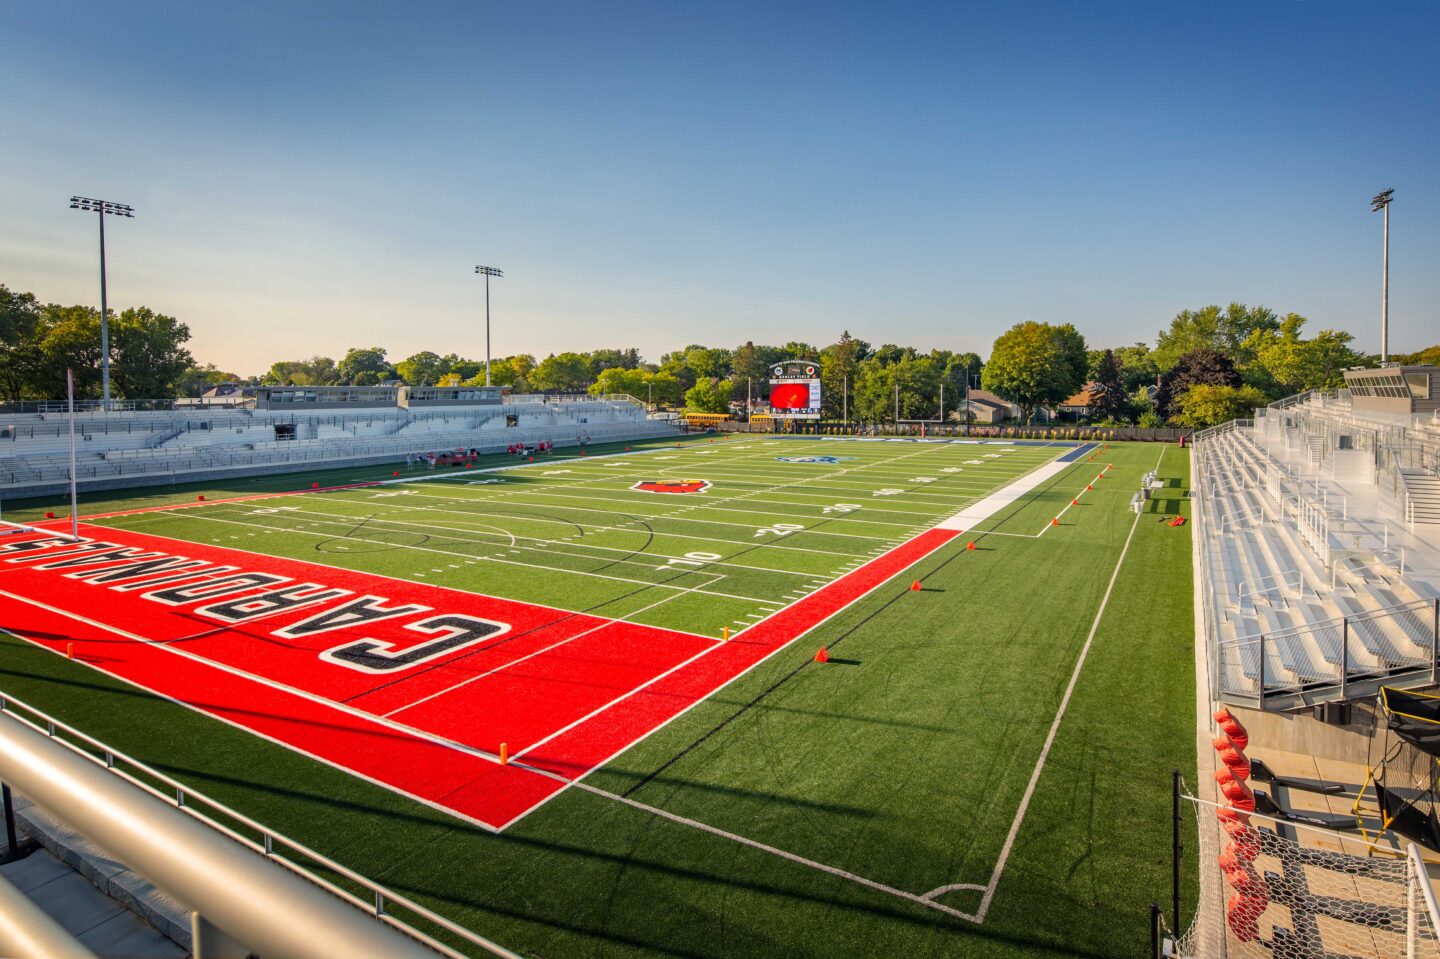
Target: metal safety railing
(1334,654)
(377,900)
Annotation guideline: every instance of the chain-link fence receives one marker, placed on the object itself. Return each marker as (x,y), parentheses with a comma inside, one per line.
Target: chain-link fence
(1279,889)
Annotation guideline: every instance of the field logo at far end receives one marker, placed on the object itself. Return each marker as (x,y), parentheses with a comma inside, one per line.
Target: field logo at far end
(828,460)
(672,486)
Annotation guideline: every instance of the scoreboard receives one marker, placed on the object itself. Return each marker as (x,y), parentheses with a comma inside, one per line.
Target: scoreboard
(795,390)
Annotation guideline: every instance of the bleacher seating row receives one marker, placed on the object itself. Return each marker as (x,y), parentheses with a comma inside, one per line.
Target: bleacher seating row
(35,448)
(1329,620)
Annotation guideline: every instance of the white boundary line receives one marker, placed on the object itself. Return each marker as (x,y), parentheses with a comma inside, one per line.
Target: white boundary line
(334,764)
(994,882)
(578,781)
(928,898)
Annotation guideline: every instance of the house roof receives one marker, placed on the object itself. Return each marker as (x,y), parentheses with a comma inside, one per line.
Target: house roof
(985,396)
(1086,396)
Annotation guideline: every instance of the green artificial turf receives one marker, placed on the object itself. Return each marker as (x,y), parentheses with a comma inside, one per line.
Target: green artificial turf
(902,761)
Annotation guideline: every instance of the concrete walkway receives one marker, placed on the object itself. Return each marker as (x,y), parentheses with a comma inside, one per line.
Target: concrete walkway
(99,922)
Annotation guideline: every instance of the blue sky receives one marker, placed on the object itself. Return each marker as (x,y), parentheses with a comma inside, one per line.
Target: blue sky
(309,177)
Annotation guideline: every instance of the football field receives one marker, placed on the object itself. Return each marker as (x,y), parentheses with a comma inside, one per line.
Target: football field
(542,668)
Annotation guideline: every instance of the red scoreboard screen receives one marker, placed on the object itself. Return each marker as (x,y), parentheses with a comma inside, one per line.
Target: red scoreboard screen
(795,390)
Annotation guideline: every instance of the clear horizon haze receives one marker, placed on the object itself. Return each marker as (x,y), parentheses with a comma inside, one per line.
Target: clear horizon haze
(318,176)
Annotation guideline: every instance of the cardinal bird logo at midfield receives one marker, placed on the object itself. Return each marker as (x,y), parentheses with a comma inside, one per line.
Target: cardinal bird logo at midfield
(672,486)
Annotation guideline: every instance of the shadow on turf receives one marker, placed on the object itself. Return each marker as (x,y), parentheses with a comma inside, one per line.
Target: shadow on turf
(914,915)
(330,804)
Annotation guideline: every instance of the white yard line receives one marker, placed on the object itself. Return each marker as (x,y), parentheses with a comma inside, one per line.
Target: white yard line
(350,520)
(556,645)
(994,882)
(478,559)
(927,899)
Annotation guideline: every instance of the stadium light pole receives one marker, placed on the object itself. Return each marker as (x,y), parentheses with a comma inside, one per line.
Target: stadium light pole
(487,272)
(102,208)
(1381,201)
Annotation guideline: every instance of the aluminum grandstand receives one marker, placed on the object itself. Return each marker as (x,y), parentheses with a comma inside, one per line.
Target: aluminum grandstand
(1317,567)
(1323,549)
(118,448)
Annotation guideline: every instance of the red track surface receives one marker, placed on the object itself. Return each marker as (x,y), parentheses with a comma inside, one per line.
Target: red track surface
(565,691)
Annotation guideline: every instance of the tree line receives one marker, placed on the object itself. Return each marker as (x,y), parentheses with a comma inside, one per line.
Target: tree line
(1209,365)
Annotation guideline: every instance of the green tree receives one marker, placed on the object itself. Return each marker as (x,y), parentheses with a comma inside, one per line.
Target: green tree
(69,338)
(562,371)
(618,379)
(1109,399)
(365,367)
(422,369)
(197,379)
(708,363)
(454,363)
(917,379)
(627,359)
(1292,364)
(316,371)
(1200,367)
(662,389)
(149,357)
(1137,365)
(838,365)
(1035,364)
(1212,328)
(1430,356)
(1206,404)
(709,396)
(20,327)
(1072,348)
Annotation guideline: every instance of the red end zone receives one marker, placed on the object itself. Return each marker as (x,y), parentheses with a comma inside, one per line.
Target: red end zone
(410,685)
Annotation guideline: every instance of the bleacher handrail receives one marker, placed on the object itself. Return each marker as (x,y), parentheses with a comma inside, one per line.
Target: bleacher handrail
(1298,574)
(185,798)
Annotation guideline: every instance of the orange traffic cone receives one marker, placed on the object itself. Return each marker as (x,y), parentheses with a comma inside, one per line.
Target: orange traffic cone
(915,586)
(1055,521)
(1074,502)
(1088,487)
(970,545)
(823,656)
(200,498)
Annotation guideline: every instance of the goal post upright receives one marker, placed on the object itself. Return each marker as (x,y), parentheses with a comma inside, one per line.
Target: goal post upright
(74,497)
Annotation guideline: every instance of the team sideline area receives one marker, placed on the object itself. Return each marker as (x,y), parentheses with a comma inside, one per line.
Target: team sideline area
(741,695)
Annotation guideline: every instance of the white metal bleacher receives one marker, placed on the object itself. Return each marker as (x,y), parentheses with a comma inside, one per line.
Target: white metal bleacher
(128,447)
(1304,600)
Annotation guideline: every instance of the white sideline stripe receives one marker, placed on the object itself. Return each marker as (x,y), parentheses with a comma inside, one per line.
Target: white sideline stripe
(482,559)
(927,899)
(555,645)
(995,502)
(792,857)
(1055,726)
(167,646)
(333,764)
